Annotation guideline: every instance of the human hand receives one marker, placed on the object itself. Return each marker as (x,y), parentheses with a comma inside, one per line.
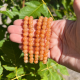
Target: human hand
(64,40)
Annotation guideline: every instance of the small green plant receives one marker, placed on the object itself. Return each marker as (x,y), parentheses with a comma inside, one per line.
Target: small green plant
(12,66)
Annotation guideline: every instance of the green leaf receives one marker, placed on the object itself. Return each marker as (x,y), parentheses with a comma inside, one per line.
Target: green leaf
(1,69)
(9,68)
(8,13)
(1,42)
(11,75)
(45,77)
(63,70)
(20,71)
(58,14)
(15,11)
(35,10)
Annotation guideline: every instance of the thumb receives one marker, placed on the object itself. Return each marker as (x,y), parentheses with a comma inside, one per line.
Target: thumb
(76,6)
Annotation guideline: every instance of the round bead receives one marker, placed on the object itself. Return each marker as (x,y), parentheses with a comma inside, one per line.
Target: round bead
(25,61)
(30,48)
(48,30)
(41,17)
(43,31)
(25,58)
(30,44)
(50,19)
(39,23)
(47,43)
(25,34)
(42,40)
(31,30)
(47,47)
(25,47)
(46,51)
(31,18)
(36,59)
(36,48)
(31,52)
(36,52)
(48,34)
(25,51)
(36,56)
(25,38)
(45,18)
(30,26)
(45,58)
(37,31)
(41,48)
(31,56)
(44,61)
(37,35)
(45,55)
(44,23)
(48,38)
(37,44)
(42,35)
(25,22)
(37,40)
(25,26)
(38,27)
(39,20)
(41,52)
(25,43)
(31,61)
(25,55)
(26,18)
(41,44)
(30,22)
(35,62)
(41,58)
(30,34)
(30,39)
(48,26)
(43,27)
(25,30)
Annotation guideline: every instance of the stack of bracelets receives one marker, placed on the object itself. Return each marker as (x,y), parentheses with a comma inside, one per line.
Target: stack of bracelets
(40,48)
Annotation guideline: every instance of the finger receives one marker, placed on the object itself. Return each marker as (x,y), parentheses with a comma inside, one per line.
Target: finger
(17,27)
(76,6)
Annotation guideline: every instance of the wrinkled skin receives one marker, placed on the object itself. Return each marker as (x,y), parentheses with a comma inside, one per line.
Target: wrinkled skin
(64,41)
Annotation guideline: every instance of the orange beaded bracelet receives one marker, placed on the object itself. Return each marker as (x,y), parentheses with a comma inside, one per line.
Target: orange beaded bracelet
(42,37)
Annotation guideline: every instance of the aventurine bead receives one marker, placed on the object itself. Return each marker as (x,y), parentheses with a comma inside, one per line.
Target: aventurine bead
(25,38)
(39,23)
(45,55)
(41,44)
(25,55)
(25,30)
(30,39)
(37,35)
(44,61)
(30,52)
(48,30)
(37,40)
(36,52)
(50,19)
(36,59)
(37,31)
(25,26)
(41,17)
(25,47)
(30,43)
(42,35)
(31,56)
(25,34)
(42,40)
(43,27)
(25,61)
(47,43)
(30,26)
(44,23)
(43,31)
(30,34)
(41,52)
(38,27)
(47,38)
(45,58)
(30,30)
(25,22)
(36,56)
(25,58)
(30,22)
(25,43)
(30,48)
(25,51)
(41,48)
(37,44)
(36,48)
(35,62)
(26,18)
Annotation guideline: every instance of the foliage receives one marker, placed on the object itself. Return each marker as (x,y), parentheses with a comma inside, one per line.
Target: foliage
(12,66)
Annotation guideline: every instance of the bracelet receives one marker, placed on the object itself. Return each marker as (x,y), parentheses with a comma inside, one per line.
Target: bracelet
(38,50)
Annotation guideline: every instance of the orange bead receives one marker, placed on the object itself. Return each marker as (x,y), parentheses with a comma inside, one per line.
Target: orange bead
(36,56)
(31,30)
(50,19)
(30,39)
(31,59)
(42,35)
(44,61)
(25,26)
(37,31)
(47,47)
(36,52)
(38,27)
(48,38)
(48,26)
(41,44)
(25,51)
(43,27)
(43,31)
(30,34)
(45,18)
(48,30)
(25,22)
(25,61)
(25,38)
(36,48)
(31,56)
(31,22)
(41,52)
(31,52)
(25,43)
(25,30)
(35,62)
(25,55)
(45,58)
(37,40)
(37,35)
(45,55)
(25,58)
(39,23)
(37,44)
(30,48)
(31,18)
(26,18)
(48,34)
(30,44)
(44,23)
(47,43)
(41,48)
(30,26)
(46,51)
(25,34)
(39,20)
(36,59)
(41,17)
(42,40)
(25,47)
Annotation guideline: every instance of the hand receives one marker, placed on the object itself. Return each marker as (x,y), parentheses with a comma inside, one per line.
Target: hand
(64,41)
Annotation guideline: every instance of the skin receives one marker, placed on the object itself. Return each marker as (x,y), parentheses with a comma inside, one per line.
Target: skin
(64,40)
